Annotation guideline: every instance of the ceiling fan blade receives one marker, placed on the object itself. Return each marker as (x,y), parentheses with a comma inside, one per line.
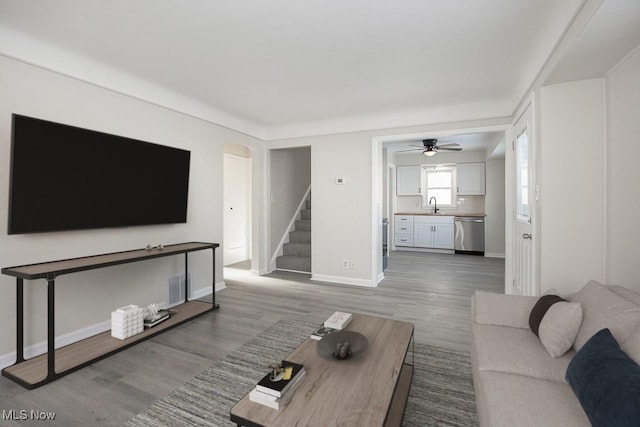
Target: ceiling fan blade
(449,144)
(448,149)
(411,149)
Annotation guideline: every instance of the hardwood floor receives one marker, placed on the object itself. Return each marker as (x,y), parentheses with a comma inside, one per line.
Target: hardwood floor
(431,290)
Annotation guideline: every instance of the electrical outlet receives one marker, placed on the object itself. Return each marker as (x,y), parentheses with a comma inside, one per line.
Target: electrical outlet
(351,264)
(345,263)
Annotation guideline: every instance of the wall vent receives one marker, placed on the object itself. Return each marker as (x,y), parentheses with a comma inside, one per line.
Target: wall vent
(176,289)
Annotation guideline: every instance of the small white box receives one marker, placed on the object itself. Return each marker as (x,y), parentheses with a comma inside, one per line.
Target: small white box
(127,321)
(338,320)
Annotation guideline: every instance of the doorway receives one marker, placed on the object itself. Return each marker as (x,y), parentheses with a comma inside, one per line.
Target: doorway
(524,207)
(237,204)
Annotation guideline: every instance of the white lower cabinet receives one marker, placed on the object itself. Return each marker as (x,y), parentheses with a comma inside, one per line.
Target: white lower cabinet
(404,230)
(443,236)
(428,232)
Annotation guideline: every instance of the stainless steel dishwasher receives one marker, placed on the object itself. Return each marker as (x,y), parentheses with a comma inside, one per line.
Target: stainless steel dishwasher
(469,236)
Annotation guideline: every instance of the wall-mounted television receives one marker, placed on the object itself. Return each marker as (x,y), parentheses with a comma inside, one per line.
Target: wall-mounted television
(68,178)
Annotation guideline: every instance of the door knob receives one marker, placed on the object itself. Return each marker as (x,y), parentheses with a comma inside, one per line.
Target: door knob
(527,236)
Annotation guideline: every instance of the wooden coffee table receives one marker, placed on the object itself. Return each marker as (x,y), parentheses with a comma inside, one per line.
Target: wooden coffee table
(368,390)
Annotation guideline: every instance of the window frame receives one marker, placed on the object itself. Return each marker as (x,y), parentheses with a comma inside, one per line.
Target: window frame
(425,169)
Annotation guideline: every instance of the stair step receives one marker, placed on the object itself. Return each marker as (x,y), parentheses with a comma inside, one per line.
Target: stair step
(296,263)
(297,249)
(303,225)
(305,214)
(300,237)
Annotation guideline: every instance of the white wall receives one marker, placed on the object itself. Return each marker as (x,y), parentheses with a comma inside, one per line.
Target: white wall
(341,213)
(347,218)
(571,185)
(290,177)
(495,210)
(623,174)
(87,298)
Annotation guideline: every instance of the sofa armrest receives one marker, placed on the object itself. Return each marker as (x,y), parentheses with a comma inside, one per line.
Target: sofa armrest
(502,310)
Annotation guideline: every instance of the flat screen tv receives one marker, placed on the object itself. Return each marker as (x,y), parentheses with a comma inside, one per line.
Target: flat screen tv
(68,178)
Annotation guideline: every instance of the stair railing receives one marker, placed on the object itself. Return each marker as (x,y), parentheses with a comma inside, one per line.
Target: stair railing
(285,238)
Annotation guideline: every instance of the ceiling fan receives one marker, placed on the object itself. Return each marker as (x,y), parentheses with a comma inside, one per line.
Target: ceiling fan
(430,148)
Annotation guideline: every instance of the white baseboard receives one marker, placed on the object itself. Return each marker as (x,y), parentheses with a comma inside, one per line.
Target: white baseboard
(426,250)
(380,278)
(493,255)
(75,336)
(61,341)
(343,280)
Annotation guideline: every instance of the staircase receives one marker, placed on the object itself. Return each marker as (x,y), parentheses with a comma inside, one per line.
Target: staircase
(297,253)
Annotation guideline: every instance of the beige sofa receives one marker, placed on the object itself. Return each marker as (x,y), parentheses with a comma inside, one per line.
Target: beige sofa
(517,382)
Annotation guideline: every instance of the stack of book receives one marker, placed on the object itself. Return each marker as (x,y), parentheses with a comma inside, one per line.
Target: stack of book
(276,394)
(321,332)
(153,320)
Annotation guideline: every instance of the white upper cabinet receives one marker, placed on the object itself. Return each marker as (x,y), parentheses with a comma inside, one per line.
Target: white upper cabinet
(470,179)
(408,180)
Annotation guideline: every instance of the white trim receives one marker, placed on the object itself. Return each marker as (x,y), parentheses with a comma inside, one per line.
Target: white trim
(493,255)
(285,238)
(380,278)
(61,341)
(203,292)
(84,333)
(343,280)
(430,250)
(293,271)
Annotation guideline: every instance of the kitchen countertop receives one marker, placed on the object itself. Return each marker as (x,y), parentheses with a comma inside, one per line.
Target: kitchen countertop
(469,214)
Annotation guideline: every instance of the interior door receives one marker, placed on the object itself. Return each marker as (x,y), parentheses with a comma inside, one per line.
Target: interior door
(236,208)
(523,244)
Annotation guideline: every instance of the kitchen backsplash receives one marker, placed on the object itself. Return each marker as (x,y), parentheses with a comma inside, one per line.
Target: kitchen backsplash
(474,204)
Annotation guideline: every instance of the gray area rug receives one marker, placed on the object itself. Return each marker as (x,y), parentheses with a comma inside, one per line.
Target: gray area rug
(441,393)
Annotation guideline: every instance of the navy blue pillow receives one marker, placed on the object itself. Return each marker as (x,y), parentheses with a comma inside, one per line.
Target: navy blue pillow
(606,382)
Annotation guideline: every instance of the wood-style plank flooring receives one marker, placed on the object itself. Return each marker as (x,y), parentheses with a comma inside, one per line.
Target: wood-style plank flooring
(431,290)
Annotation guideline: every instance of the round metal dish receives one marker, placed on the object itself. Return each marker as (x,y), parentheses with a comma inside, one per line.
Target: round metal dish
(327,345)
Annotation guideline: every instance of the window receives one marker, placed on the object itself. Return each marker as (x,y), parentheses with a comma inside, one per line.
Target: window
(522,176)
(439,182)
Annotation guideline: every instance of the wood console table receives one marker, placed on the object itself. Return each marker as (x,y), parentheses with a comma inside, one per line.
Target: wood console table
(41,370)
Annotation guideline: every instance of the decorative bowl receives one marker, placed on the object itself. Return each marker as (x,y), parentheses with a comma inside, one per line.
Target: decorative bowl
(357,342)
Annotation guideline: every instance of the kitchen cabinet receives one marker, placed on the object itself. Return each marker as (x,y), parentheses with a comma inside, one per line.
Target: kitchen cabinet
(408,180)
(433,232)
(470,179)
(403,235)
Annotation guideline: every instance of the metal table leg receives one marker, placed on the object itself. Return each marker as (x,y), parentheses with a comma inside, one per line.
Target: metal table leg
(19,320)
(51,338)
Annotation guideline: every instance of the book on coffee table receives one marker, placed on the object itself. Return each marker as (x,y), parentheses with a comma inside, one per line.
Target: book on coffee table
(338,320)
(278,388)
(322,331)
(271,401)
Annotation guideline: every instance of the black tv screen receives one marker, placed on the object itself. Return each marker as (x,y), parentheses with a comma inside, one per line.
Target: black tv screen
(68,178)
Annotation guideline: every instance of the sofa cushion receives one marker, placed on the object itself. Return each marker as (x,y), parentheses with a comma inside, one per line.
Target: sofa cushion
(514,400)
(606,382)
(602,308)
(516,351)
(625,293)
(559,327)
(631,345)
(503,310)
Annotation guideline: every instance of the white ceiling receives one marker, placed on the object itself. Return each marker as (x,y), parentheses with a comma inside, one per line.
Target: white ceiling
(283,68)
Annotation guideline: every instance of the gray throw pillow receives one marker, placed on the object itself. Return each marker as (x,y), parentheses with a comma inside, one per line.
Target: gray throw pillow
(603,308)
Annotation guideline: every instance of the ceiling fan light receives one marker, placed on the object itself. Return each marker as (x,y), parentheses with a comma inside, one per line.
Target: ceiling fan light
(429,153)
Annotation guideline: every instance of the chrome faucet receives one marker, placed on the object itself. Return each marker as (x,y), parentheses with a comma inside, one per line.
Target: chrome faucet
(435,205)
